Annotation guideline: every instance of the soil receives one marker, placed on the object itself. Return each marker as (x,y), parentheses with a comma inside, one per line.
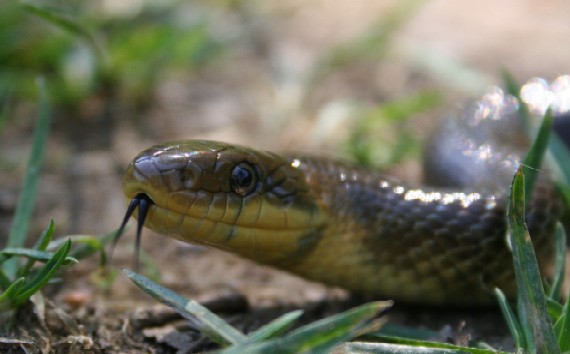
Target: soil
(257,94)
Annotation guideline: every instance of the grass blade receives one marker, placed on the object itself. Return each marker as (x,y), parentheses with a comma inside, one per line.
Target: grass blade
(34,255)
(45,273)
(512,322)
(535,155)
(7,297)
(45,237)
(555,292)
(209,323)
(275,327)
(513,89)
(423,346)
(62,20)
(390,348)
(526,327)
(41,245)
(529,281)
(560,154)
(555,310)
(564,332)
(20,223)
(87,245)
(562,328)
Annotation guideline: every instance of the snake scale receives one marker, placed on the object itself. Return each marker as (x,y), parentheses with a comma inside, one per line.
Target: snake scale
(348,226)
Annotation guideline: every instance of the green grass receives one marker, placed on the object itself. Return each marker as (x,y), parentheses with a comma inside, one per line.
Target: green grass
(20,280)
(317,337)
(26,203)
(20,275)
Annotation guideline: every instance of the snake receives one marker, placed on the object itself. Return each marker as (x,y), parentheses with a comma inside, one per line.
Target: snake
(341,224)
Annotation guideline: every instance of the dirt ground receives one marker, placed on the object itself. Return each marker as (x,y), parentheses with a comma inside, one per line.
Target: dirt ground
(258,95)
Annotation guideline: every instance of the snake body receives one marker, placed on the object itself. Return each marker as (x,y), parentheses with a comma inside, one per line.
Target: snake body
(341,224)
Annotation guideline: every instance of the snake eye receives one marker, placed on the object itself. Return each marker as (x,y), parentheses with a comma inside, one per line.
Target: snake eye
(243,179)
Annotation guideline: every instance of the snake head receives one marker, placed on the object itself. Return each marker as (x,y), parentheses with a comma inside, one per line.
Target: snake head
(246,201)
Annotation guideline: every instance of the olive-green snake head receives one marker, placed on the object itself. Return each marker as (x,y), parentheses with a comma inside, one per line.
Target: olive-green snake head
(253,203)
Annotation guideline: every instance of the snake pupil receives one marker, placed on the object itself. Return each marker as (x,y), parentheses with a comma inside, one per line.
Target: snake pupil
(243,179)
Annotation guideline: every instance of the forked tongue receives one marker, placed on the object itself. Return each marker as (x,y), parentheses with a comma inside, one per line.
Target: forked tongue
(143,202)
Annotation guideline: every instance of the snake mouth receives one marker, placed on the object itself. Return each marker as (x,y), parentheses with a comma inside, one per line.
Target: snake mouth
(142,202)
